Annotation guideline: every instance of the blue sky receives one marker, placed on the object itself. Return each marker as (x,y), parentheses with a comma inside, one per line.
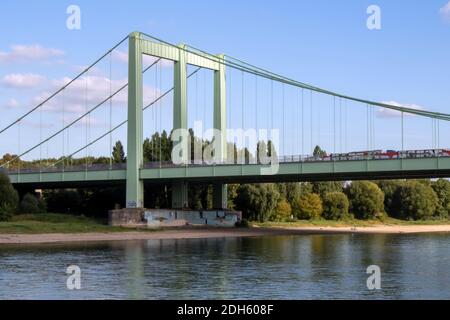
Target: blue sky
(324,43)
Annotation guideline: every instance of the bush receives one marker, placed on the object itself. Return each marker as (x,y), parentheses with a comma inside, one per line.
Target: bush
(29,204)
(442,189)
(9,198)
(283,211)
(42,205)
(64,201)
(308,206)
(243,223)
(335,206)
(366,200)
(418,201)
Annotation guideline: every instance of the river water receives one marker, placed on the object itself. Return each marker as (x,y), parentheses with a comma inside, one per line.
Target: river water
(282,267)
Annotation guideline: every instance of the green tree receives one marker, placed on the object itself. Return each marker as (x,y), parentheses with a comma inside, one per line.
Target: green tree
(318,152)
(392,202)
(324,187)
(442,189)
(232,191)
(335,206)
(283,211)
(308,206)
(366,200)
(29,204)
(42,205)
(118,154)
(418,201)
(9,198)
(290,191)
(64,201)
(257,201)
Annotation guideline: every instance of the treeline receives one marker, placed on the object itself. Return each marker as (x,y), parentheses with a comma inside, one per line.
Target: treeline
(156,148)
(401,199)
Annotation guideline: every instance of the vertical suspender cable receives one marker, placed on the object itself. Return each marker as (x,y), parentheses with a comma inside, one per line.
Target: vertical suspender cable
(110,111)
(346,126)
(367,127)
(86,127)
(300,116)
(318,121)
(256,111)
(403,141)
(438,135)
(243,115)
(63,125)
(18,144)
(311,117)
(340,125)
(303,122)
(40,138)
(271,113)
(284,136)
(334,124)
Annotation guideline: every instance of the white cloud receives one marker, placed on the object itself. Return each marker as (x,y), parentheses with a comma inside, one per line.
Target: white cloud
(22,80)
(76,97)
(91,121)
(445,11)
(23,53)
(12,103)
(389,113)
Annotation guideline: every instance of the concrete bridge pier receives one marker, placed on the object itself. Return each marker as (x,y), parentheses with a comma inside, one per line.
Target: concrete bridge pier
(220,196)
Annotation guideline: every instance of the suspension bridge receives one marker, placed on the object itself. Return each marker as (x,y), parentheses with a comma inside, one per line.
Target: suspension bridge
(168,87)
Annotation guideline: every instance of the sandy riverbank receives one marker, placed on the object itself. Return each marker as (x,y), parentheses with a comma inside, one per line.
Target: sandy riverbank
(198,233)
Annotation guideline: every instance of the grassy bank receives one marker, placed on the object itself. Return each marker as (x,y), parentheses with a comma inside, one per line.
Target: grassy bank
(55,223)
(63,223)
(350,223)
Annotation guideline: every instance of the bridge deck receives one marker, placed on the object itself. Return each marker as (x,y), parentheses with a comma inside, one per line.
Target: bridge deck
(238,173)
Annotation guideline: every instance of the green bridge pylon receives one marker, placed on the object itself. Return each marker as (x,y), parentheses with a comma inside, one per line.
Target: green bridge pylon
(135,160)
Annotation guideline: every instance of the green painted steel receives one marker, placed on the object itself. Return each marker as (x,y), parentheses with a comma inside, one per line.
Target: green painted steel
(135,186)
(179,189)
(171,52)
(306,171)
(220,111)
(180,101)
(220,197)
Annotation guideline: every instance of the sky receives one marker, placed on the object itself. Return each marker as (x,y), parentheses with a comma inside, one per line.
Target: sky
(323,43)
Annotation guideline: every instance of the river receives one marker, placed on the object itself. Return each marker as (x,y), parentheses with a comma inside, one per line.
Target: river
(413,266)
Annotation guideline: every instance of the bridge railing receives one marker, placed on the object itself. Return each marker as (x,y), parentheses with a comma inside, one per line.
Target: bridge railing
(353,156)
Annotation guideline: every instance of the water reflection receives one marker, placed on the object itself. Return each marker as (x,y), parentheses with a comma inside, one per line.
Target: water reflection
(288,267)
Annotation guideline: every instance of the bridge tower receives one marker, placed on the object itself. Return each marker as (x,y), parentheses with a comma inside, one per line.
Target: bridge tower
(135,160)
